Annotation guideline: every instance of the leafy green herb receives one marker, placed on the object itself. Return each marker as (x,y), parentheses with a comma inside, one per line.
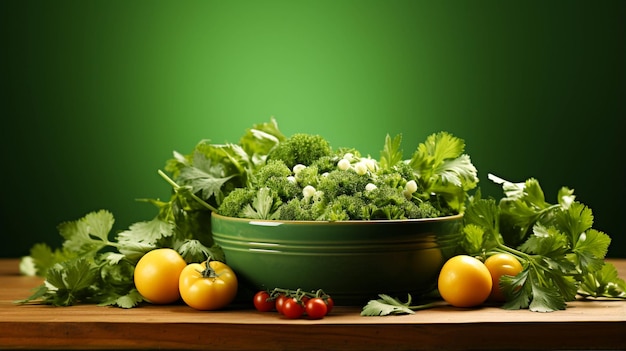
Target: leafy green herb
(391,153)
(387,305)
(442,168)
(562,255)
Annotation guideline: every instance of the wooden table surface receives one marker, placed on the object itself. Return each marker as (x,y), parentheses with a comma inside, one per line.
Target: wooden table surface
(584,325)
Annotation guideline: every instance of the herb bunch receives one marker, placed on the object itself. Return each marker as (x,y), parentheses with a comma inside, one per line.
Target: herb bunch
(562,255)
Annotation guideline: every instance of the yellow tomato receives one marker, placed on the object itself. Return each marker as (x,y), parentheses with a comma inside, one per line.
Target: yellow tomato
(464,281)
(208,289)
(156,275)
(498,265)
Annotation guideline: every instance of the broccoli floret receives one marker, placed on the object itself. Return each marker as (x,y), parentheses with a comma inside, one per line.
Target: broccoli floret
(300,148)
(388,202)
(326,164)
(343,208)
(235,201)
(308,176)
(273,168)
(397,176)
(296,210)
(340,182)
(275,175)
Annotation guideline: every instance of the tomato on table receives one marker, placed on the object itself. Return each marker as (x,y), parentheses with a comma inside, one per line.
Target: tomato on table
(156,275)
(498,265)
(464,281)
(292,308)
(316,308)
(208,286)
(263,301)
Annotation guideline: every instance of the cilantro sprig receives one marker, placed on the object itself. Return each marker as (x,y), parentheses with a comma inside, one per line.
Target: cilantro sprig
(386,305)
(562,254)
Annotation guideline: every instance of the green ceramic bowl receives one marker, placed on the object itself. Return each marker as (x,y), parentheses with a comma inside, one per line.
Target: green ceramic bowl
(353,261)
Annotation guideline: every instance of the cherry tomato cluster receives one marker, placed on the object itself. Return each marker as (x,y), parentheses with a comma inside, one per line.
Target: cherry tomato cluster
(294,304)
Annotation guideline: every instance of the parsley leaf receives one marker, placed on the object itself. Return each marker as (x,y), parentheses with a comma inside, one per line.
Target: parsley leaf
(604,282)
(391,153)
(263,206)
(142,237)
(483,214)
(387,305)
(441,167)
(88,234)
(71,281)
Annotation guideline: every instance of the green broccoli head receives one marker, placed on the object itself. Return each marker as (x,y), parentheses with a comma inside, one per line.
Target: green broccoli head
(326,164)
(296,210)
(308,176)
(300,148)
(276,176)
(340,182)
(235,201)
(343,208)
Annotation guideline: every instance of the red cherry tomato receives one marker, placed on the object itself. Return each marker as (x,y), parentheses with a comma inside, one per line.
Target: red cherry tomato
(280,303)
(329,304)
(263,302)
(316,308)
(292,308)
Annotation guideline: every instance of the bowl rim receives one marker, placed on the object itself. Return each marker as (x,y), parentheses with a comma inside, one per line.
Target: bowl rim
(275,222)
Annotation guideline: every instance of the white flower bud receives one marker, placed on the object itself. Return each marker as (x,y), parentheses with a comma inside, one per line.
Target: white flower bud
(411,186)
(360,168)
(370,187)
(343,164)
(371,164)
(308,191)
(297,168)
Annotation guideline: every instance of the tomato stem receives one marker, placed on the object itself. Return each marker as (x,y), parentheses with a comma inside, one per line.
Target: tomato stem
(299,294)
(208,271)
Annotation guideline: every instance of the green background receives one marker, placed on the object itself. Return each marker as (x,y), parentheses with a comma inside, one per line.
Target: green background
(97,94)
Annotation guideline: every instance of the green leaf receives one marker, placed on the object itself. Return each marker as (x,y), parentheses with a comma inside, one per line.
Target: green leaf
(546,241)
(194,251)
(515,289)
(591,248)
(459,172)
(263,206)
(260,139)
(391,153)
(386,305)
(545,299)
(146,233)
(483,213)
(566,197)
(71,280)
(538,289)
(523,205)
(87,234)
(574,220)
(203,182)
(129,300)
(604,282)
(42,257)
(473,238)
